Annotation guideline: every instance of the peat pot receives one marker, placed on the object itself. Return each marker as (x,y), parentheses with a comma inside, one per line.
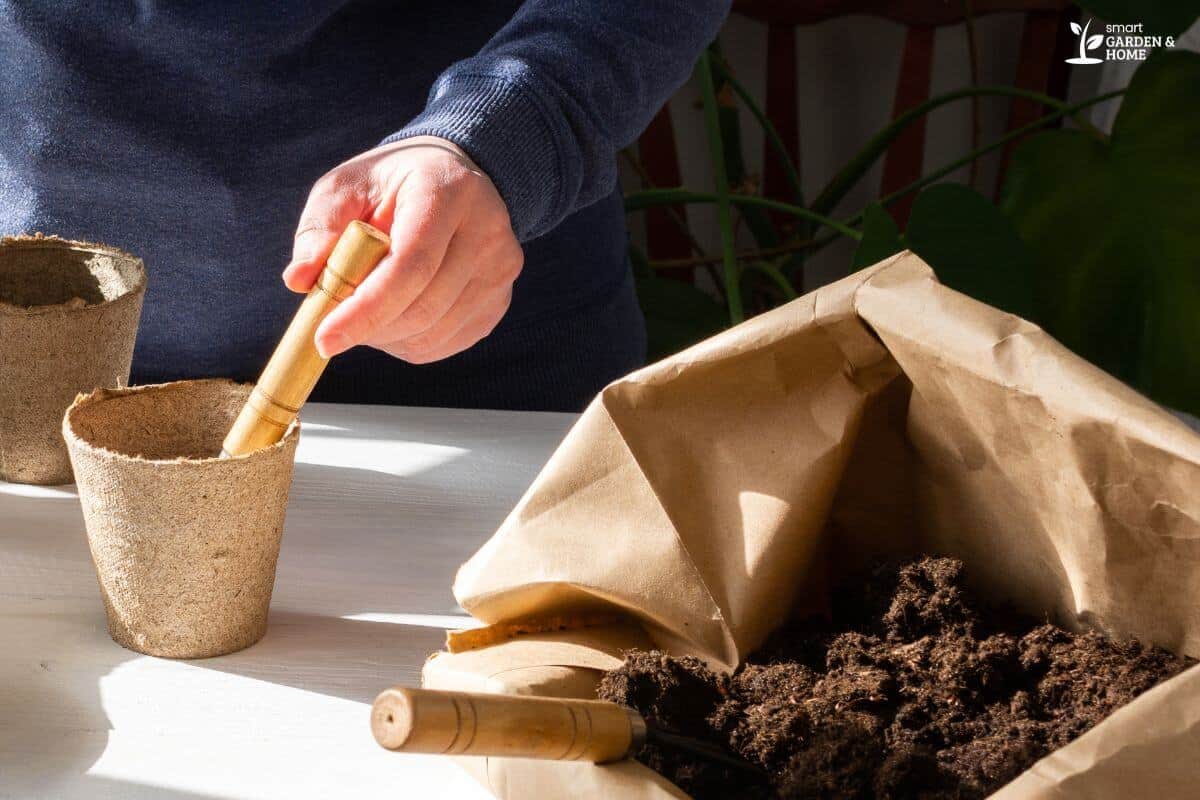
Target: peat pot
(68,318)
(184,542)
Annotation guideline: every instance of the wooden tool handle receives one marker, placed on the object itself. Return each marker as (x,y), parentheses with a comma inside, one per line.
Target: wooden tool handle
(295,366)
(458,723)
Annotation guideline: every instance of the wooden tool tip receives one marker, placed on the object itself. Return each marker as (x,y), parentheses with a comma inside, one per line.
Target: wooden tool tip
(392,718)
(371,230)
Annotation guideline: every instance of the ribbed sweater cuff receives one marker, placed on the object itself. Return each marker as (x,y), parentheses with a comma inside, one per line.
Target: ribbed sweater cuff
(500,122)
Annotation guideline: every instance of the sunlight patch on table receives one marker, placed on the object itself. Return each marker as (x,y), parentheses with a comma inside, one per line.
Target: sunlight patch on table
(380,455)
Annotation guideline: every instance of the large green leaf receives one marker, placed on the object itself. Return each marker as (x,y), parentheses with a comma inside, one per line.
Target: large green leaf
(1115,226)
(972,247)
(881,237)
(677,315)
(969,243)
(1160,17)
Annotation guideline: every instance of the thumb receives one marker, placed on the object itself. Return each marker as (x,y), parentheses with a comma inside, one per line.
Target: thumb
(325,216)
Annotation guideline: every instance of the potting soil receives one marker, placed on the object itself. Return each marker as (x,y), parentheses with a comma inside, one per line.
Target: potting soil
(909,689)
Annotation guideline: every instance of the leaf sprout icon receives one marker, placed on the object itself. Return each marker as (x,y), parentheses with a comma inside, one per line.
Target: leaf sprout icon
(1086,43)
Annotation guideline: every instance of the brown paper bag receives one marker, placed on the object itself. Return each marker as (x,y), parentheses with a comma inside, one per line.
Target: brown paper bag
(707,495)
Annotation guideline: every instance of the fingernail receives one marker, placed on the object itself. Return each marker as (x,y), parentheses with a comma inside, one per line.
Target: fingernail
(332,344)
(299,257)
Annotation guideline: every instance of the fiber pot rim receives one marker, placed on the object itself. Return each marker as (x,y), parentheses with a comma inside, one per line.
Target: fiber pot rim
(101,395)
(35,241)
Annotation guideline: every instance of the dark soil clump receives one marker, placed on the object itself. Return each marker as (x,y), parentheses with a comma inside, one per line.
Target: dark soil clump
(908,691)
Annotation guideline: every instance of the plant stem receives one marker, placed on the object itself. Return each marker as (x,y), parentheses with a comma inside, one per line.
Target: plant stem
(789,167)
(777,277)
(1003,140)
(858,166)
(644,176)
(640,200)
(790,170)
(973,54)
(674,215)
(733,291)
(743,255)
(819,242)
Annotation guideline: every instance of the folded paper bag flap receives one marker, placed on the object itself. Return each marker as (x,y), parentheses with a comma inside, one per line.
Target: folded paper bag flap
(459,641)
(590,649)
(1062,489)
(699,494)
(666,499)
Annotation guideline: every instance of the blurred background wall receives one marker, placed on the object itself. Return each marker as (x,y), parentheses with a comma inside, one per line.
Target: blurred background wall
(846,72)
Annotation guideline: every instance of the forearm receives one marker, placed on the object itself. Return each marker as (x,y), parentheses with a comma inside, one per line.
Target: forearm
(548,102)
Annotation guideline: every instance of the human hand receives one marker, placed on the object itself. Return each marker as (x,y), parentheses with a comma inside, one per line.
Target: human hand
(446,281)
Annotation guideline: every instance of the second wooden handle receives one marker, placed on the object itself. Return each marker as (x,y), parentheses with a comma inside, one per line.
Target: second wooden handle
(295,366)
(460,723)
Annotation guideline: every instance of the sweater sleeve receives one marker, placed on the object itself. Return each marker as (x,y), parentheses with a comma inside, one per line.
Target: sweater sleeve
(544,107)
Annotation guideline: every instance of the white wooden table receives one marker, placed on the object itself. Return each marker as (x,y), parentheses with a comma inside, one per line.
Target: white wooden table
(387,502)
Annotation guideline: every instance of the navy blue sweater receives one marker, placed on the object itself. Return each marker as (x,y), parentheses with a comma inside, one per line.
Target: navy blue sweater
(190,133)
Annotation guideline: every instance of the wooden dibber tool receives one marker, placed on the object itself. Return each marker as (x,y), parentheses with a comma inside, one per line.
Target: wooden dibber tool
(521,726)
(295,366)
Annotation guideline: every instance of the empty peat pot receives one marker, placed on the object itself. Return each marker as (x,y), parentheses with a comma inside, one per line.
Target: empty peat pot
(184,542)
(68,318)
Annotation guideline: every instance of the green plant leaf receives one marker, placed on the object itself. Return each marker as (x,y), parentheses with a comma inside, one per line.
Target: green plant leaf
(873,150)
(774,276)
(677,315)
(972,247)
(768,129)
(1115,234)
(881,237)
(729,120)
(712,127)
(650,198)
(1161,17)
